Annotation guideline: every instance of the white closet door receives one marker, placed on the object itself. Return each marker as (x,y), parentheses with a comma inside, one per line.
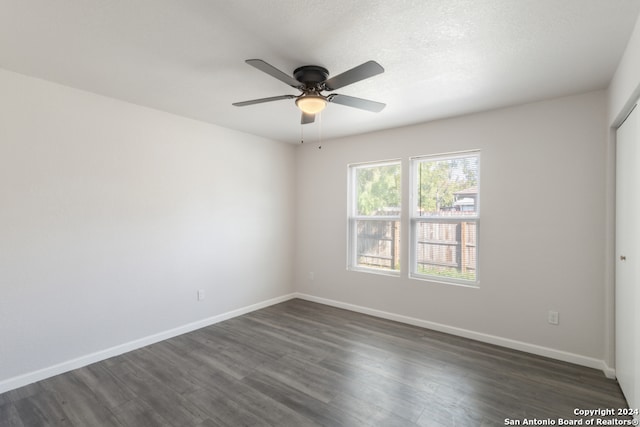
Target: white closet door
(628,260)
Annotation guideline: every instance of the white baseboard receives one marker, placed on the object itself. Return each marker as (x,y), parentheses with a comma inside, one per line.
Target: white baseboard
(478,336)
(41,374)
(609,372)
(79,362)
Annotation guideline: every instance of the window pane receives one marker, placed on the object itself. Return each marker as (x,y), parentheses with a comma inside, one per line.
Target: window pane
(376,204)
(378,244)
(378,190)
(447,249)
(448,187)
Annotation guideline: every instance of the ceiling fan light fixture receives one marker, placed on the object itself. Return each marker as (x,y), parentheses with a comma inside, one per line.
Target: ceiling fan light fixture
(311,104)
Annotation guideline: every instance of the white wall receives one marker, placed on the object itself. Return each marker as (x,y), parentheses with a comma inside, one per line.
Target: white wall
(113,216)
(541,237)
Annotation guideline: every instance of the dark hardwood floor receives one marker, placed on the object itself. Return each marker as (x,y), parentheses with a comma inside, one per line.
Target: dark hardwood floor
(304,364)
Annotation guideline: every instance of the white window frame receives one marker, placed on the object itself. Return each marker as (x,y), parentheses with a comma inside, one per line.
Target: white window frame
(353,218)
(414,220)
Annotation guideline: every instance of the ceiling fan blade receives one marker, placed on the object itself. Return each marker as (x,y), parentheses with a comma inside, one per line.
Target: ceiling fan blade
(361,72)
(352,101)
(273,72)
(307,118)
(261,100)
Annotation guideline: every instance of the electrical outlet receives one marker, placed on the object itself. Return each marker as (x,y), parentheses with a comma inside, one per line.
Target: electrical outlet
(200,294)
(553,317)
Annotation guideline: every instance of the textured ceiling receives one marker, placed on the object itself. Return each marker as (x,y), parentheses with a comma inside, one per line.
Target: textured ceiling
(442,57)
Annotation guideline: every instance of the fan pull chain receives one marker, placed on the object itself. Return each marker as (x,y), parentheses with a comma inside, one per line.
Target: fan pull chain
(319,115)
(301,133)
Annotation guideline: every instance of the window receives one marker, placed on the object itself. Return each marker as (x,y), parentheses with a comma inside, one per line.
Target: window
(374,217)
(445,217)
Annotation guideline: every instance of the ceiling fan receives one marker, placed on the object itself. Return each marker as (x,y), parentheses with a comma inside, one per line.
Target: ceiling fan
(312,80)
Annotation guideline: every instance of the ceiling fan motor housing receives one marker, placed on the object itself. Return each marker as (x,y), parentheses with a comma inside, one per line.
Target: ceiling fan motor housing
(311,75)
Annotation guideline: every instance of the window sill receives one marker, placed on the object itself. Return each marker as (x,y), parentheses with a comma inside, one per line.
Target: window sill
(391,273)
(442,281)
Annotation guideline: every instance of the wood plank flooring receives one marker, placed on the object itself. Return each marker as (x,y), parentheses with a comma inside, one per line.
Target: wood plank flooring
(304,364)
